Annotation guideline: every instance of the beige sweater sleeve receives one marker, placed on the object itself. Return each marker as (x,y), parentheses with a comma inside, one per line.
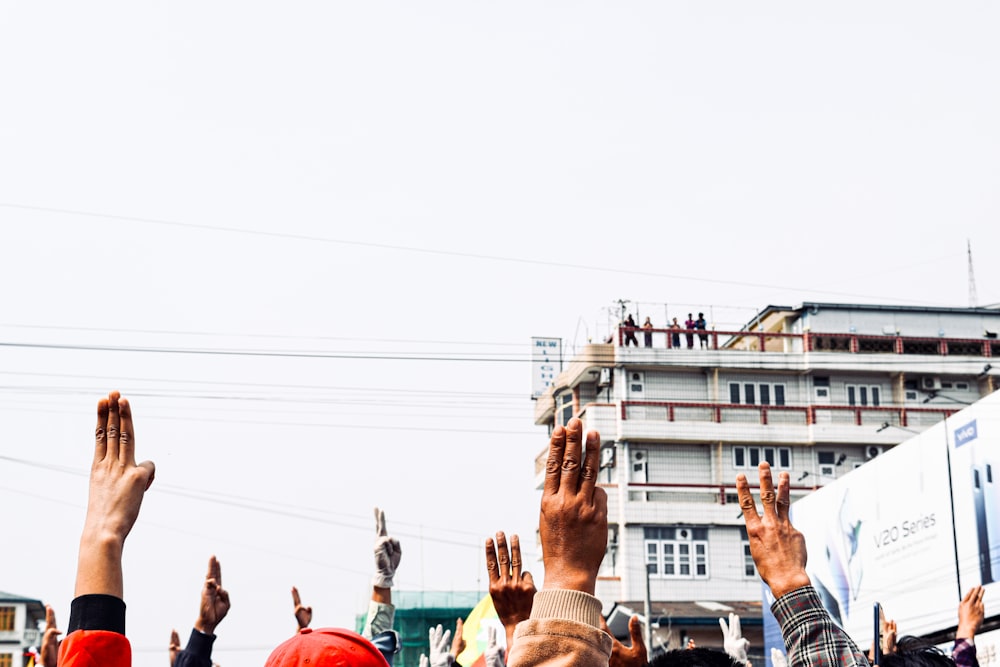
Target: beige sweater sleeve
(563,631)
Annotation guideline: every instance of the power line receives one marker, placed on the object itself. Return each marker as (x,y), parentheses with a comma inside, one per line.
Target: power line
(435,251)
(258,353)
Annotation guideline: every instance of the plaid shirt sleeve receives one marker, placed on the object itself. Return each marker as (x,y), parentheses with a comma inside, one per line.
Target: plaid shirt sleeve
(964,653)
(812,639)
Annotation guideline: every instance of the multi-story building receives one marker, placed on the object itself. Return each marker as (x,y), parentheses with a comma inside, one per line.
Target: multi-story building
(19,619)
(815,390)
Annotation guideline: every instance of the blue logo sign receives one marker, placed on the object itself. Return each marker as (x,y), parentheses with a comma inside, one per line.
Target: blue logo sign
(966,434)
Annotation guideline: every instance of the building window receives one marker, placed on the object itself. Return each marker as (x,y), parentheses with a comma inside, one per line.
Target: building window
(754,393)
(6,660)
(749,569)
(860,394)
(7,618)
(677,553)
(750,457)
(565,407)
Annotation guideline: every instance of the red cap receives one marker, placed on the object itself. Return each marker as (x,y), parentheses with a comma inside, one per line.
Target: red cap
(326,647)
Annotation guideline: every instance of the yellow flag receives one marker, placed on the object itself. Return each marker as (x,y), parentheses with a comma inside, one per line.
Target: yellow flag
(474,631)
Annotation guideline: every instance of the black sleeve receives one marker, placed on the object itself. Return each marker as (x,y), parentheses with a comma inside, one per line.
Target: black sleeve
(198,652)
(97,612)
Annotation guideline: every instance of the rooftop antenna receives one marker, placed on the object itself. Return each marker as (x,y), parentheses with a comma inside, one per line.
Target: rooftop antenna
(973,301)
(621,304)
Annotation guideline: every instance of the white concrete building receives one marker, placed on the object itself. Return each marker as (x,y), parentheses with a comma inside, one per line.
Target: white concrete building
(19,621)
(816,390)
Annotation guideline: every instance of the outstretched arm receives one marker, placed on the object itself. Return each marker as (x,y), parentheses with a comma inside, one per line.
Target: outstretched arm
(564,628)
(779,552)
(971,612)
(212,609)
(117,486)
(387,556)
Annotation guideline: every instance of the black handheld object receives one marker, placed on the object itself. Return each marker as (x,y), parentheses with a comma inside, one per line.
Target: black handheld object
(877,641)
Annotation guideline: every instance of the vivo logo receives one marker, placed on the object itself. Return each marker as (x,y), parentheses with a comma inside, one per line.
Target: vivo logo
(966,434)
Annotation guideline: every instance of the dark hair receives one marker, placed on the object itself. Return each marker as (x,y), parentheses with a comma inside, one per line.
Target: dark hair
(916,652)
(695,657)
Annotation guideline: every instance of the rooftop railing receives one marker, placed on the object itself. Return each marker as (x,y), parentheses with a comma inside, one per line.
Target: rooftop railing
(805,415)
(851,343)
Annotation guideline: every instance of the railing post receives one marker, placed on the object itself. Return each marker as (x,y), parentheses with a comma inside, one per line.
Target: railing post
(763,341)
(621,336)
(670,412)
(763,416)
(857,416)
(854,345)
(810,415)
(987,349)
(902,417)
(899,345)
(943,348)
(715,340)
(718,415)
(806,342)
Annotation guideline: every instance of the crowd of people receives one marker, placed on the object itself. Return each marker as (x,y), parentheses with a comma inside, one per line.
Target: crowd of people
(558,626)
(692,327)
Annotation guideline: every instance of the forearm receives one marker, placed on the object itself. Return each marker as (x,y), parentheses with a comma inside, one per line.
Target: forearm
(812,639)
(99,567)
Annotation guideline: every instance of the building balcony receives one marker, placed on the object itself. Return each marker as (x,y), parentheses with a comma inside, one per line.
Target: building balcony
(678,421)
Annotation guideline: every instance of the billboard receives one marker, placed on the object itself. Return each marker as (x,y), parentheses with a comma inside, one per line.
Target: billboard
(912,529)
(546,363)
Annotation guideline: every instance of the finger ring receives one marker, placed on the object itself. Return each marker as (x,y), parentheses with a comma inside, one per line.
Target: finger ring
(515,563)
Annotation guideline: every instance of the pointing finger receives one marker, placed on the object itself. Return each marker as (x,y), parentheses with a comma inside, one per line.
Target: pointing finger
(746,501)
(380,523)
(296,600)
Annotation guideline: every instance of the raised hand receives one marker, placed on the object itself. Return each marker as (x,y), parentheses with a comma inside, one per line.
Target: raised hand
(117,485)
(174,648)
(778,549)
(573,525)
(627,656)
(971,612)
(387,553)
(778,658)
(50,639)
(440,642)
(732,638)
(303,615)
(214,599)
(493,654)
(511,589)
(457,640)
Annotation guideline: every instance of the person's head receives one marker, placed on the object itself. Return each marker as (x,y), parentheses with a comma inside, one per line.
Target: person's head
(689,316)
(694,657)
(701,315)
(326,647)
(647,320)
(916,652)
(675,320)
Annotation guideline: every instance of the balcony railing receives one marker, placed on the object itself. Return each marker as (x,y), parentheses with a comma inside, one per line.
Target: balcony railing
(805,415)
(811,342)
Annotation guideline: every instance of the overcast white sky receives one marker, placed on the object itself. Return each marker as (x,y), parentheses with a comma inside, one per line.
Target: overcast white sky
(439,180)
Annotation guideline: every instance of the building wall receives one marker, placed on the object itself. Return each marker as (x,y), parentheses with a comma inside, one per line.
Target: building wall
(929,324)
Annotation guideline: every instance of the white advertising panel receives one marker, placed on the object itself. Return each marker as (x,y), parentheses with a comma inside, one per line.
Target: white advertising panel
(883,533)
(546,362)
(974,444)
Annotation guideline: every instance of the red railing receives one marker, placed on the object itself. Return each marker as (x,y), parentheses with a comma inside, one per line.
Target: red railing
(809,412)
(813,342)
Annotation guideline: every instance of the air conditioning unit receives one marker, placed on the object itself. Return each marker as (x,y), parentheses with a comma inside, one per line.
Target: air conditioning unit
(930,383)
(604,380)
(871,451)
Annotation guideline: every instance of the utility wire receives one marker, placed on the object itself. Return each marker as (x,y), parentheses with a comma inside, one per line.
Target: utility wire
(434,251)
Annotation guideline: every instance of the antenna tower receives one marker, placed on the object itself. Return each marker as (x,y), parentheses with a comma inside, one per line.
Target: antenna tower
(973,301)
